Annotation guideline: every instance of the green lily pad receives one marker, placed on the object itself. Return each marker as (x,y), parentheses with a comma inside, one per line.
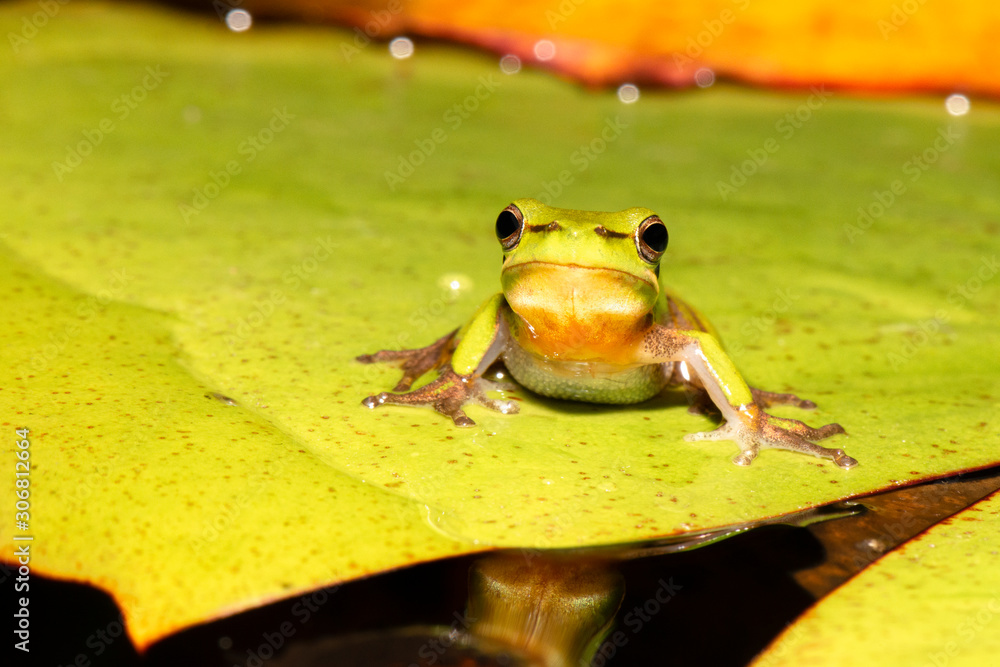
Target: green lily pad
(204,228)
(935,600)
(147,483)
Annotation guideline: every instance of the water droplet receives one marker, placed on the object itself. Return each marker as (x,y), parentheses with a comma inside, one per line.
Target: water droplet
(401,48)
(628,93)
(455,283)
(704,77)
(545,49)
(238,20)
(957,105)
(510,64)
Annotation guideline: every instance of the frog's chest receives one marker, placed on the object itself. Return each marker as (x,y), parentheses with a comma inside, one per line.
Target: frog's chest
(578,358)
(591,381)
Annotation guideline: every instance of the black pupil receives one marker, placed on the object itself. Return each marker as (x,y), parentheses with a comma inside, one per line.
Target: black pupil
(655,236)
(507,224)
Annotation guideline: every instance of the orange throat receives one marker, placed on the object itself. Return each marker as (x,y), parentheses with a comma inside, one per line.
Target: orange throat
(574,313)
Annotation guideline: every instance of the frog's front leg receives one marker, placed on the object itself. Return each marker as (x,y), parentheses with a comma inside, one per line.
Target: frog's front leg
(746,423)
(415,362)
(447,394)
(463,356)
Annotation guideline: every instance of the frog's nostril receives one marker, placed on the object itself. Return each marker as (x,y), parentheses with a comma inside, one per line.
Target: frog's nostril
(601,230)
(551,227)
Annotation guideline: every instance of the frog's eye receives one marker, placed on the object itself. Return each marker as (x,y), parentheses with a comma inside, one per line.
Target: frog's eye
(510,223)
(651,239)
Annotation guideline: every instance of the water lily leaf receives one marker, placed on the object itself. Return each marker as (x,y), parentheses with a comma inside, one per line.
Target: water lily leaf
(935,600)
(881,45)
(145,482)
(204,228)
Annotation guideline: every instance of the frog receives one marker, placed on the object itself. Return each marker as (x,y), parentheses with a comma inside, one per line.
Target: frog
(583,314)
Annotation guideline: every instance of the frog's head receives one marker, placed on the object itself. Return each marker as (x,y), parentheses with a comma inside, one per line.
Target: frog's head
(583,265)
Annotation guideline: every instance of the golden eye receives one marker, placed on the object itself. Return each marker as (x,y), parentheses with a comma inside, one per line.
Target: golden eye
(510,224)
(651,239)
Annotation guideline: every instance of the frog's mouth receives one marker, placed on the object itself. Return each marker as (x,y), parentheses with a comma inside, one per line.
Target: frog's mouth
(550,268)
(584,295)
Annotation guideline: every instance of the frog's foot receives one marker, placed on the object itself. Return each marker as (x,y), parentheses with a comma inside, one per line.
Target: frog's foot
(749,448)
(447,394)
(768,398)
(415,362)
(776,433)
(804,430)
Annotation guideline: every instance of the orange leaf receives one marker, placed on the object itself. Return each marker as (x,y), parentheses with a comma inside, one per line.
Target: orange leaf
(873,46)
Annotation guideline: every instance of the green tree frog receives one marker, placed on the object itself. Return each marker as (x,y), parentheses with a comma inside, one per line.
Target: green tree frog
(583,315)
